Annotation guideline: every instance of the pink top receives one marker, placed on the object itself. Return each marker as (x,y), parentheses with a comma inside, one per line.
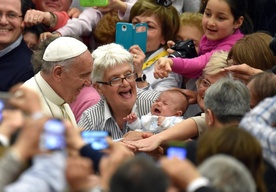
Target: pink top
(88,96)
(192,68)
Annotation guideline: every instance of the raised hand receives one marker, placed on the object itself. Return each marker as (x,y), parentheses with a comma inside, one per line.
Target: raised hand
(242,72)
(130,118)
(162,68)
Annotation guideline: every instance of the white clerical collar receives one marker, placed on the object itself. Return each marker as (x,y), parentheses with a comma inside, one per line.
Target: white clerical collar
(50,93)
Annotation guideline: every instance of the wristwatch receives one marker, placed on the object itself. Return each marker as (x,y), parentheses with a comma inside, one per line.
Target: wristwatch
(142,78)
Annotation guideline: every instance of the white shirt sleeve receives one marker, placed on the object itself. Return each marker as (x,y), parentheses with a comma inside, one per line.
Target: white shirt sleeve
(194,185)
(4,140)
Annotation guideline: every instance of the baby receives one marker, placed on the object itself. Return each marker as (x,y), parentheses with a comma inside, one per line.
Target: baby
(166,111)
(31,35)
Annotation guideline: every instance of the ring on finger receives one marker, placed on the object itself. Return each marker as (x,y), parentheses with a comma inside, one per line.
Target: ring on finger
(34,18)
(135,55)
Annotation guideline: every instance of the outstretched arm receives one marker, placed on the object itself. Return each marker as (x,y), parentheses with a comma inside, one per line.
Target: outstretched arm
(242,72)
(163,67)
(83,25)
(181,131)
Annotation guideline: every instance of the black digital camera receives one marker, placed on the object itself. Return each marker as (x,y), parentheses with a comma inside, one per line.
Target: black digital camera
(272,45)
(184,49)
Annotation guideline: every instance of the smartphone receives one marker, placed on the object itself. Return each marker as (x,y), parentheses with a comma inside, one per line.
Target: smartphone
(176,149)
(92,3)
(2,106)
(128,34)
(53,137)
(97,139)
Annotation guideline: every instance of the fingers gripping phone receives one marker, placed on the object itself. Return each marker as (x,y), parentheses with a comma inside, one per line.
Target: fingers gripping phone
(97,139)
(4,102)
(128,34)
(4,97)
(52,137)
(92,3)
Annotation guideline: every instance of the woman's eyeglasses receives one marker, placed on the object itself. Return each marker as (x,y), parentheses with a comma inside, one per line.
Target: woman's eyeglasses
(165,3)
(119,81)
(204,83)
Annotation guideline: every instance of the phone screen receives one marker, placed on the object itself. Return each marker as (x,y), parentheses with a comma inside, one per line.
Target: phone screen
(97,139)
(52,137)
(2,106)
(128,34)
(175,151)
(91,3)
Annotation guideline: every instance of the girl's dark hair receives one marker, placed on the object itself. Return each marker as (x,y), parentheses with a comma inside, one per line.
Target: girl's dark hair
(202,6)
(36,29)
(240,8)
(25,6)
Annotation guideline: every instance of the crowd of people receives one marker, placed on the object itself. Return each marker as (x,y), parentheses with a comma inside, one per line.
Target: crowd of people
(205,83)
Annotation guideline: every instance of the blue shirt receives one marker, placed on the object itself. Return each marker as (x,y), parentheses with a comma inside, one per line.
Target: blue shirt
(259,122)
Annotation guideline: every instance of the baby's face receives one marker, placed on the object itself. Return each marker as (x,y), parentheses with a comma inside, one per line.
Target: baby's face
(166,105)
(31,40)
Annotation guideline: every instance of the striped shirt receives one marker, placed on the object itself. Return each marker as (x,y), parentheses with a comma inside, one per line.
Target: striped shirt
(99,117)
(260,122)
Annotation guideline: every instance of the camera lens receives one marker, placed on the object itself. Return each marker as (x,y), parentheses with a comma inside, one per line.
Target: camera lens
(175,54)
(184,49)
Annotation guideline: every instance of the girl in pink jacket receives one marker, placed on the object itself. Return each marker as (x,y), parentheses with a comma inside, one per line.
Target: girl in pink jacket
(221,23)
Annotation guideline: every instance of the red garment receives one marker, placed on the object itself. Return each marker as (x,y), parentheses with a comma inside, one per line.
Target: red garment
(62,18)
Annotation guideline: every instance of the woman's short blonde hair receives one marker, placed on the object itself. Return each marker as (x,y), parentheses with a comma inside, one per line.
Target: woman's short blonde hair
(192,19)
(217,62)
